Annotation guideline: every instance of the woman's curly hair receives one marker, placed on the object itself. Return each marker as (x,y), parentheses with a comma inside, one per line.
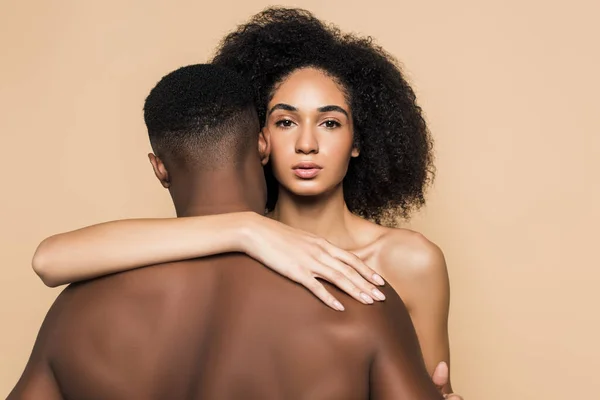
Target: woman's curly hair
(395,166)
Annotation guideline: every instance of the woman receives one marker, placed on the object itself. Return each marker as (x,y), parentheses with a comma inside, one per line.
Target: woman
(348,145)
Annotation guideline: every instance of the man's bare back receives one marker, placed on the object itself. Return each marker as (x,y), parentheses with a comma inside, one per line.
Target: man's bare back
(224,327)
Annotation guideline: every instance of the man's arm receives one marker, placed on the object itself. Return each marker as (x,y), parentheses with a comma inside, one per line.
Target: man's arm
(398,370)
(38,380)
(36,383)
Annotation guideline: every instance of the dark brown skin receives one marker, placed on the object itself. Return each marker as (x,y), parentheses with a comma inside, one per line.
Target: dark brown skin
(222,327)
(209,329)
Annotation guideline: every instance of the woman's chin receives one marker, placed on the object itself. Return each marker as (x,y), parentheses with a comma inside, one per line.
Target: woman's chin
(308,188)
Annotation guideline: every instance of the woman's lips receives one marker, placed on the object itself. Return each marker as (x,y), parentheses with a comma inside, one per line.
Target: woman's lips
(307,173)
(306,170)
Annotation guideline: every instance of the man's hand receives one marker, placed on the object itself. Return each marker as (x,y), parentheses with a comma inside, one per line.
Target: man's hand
(440,378)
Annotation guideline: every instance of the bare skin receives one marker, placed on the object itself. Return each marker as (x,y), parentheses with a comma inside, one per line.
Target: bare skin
(213,321)
(323,231)
(416,269)
(298,132)
(216,333)
(220,327)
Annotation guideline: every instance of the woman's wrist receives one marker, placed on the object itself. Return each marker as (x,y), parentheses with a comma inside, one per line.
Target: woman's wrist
(247,233)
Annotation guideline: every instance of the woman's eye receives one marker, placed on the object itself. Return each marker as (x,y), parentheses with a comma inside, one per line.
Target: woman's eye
(330,124)
(284,123)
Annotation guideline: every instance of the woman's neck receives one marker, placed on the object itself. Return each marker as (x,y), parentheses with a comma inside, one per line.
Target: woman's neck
(326,216)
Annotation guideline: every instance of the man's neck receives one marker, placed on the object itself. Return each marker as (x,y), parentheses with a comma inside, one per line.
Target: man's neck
(217,192)
(326,215)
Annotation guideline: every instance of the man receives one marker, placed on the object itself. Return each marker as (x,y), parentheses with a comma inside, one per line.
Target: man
(210,328)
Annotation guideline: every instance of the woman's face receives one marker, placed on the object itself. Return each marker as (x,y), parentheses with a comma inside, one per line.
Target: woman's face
(310,128)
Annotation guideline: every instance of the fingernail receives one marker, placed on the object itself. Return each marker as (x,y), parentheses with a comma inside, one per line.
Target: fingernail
(378,294)
(338,305)
(378,279)
(366,298)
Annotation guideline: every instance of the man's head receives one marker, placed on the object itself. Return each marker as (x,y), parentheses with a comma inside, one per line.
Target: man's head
(202,124)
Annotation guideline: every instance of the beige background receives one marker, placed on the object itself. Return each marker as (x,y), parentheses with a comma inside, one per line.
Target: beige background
(510,89)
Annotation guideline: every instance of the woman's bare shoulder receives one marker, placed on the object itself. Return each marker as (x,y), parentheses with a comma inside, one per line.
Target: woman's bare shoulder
(408,260)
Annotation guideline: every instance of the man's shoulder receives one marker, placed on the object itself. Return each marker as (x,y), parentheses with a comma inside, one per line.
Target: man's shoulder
(113,308)
(142,288)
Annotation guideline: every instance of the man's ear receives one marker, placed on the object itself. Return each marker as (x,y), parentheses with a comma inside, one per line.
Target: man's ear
(160,170)
(264,145)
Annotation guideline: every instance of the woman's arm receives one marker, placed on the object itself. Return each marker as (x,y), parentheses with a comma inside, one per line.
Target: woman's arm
(119,246)
(123,245)
(417,269)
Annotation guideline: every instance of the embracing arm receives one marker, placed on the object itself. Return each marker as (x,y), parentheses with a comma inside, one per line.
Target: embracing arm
(118,246)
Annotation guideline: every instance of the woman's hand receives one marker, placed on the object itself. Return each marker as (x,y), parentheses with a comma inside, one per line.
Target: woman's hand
(441,378)
(303,257)
(118,246)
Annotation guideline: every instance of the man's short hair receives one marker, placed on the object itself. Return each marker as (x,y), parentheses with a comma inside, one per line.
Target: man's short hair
(201,115)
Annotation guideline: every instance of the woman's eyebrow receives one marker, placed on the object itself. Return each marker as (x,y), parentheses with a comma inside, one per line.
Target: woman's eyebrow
(282,106)
(332,108)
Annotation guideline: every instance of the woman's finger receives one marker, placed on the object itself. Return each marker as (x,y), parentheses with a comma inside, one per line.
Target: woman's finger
(357,264)
(357,279)
(328,272)
(323,294)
